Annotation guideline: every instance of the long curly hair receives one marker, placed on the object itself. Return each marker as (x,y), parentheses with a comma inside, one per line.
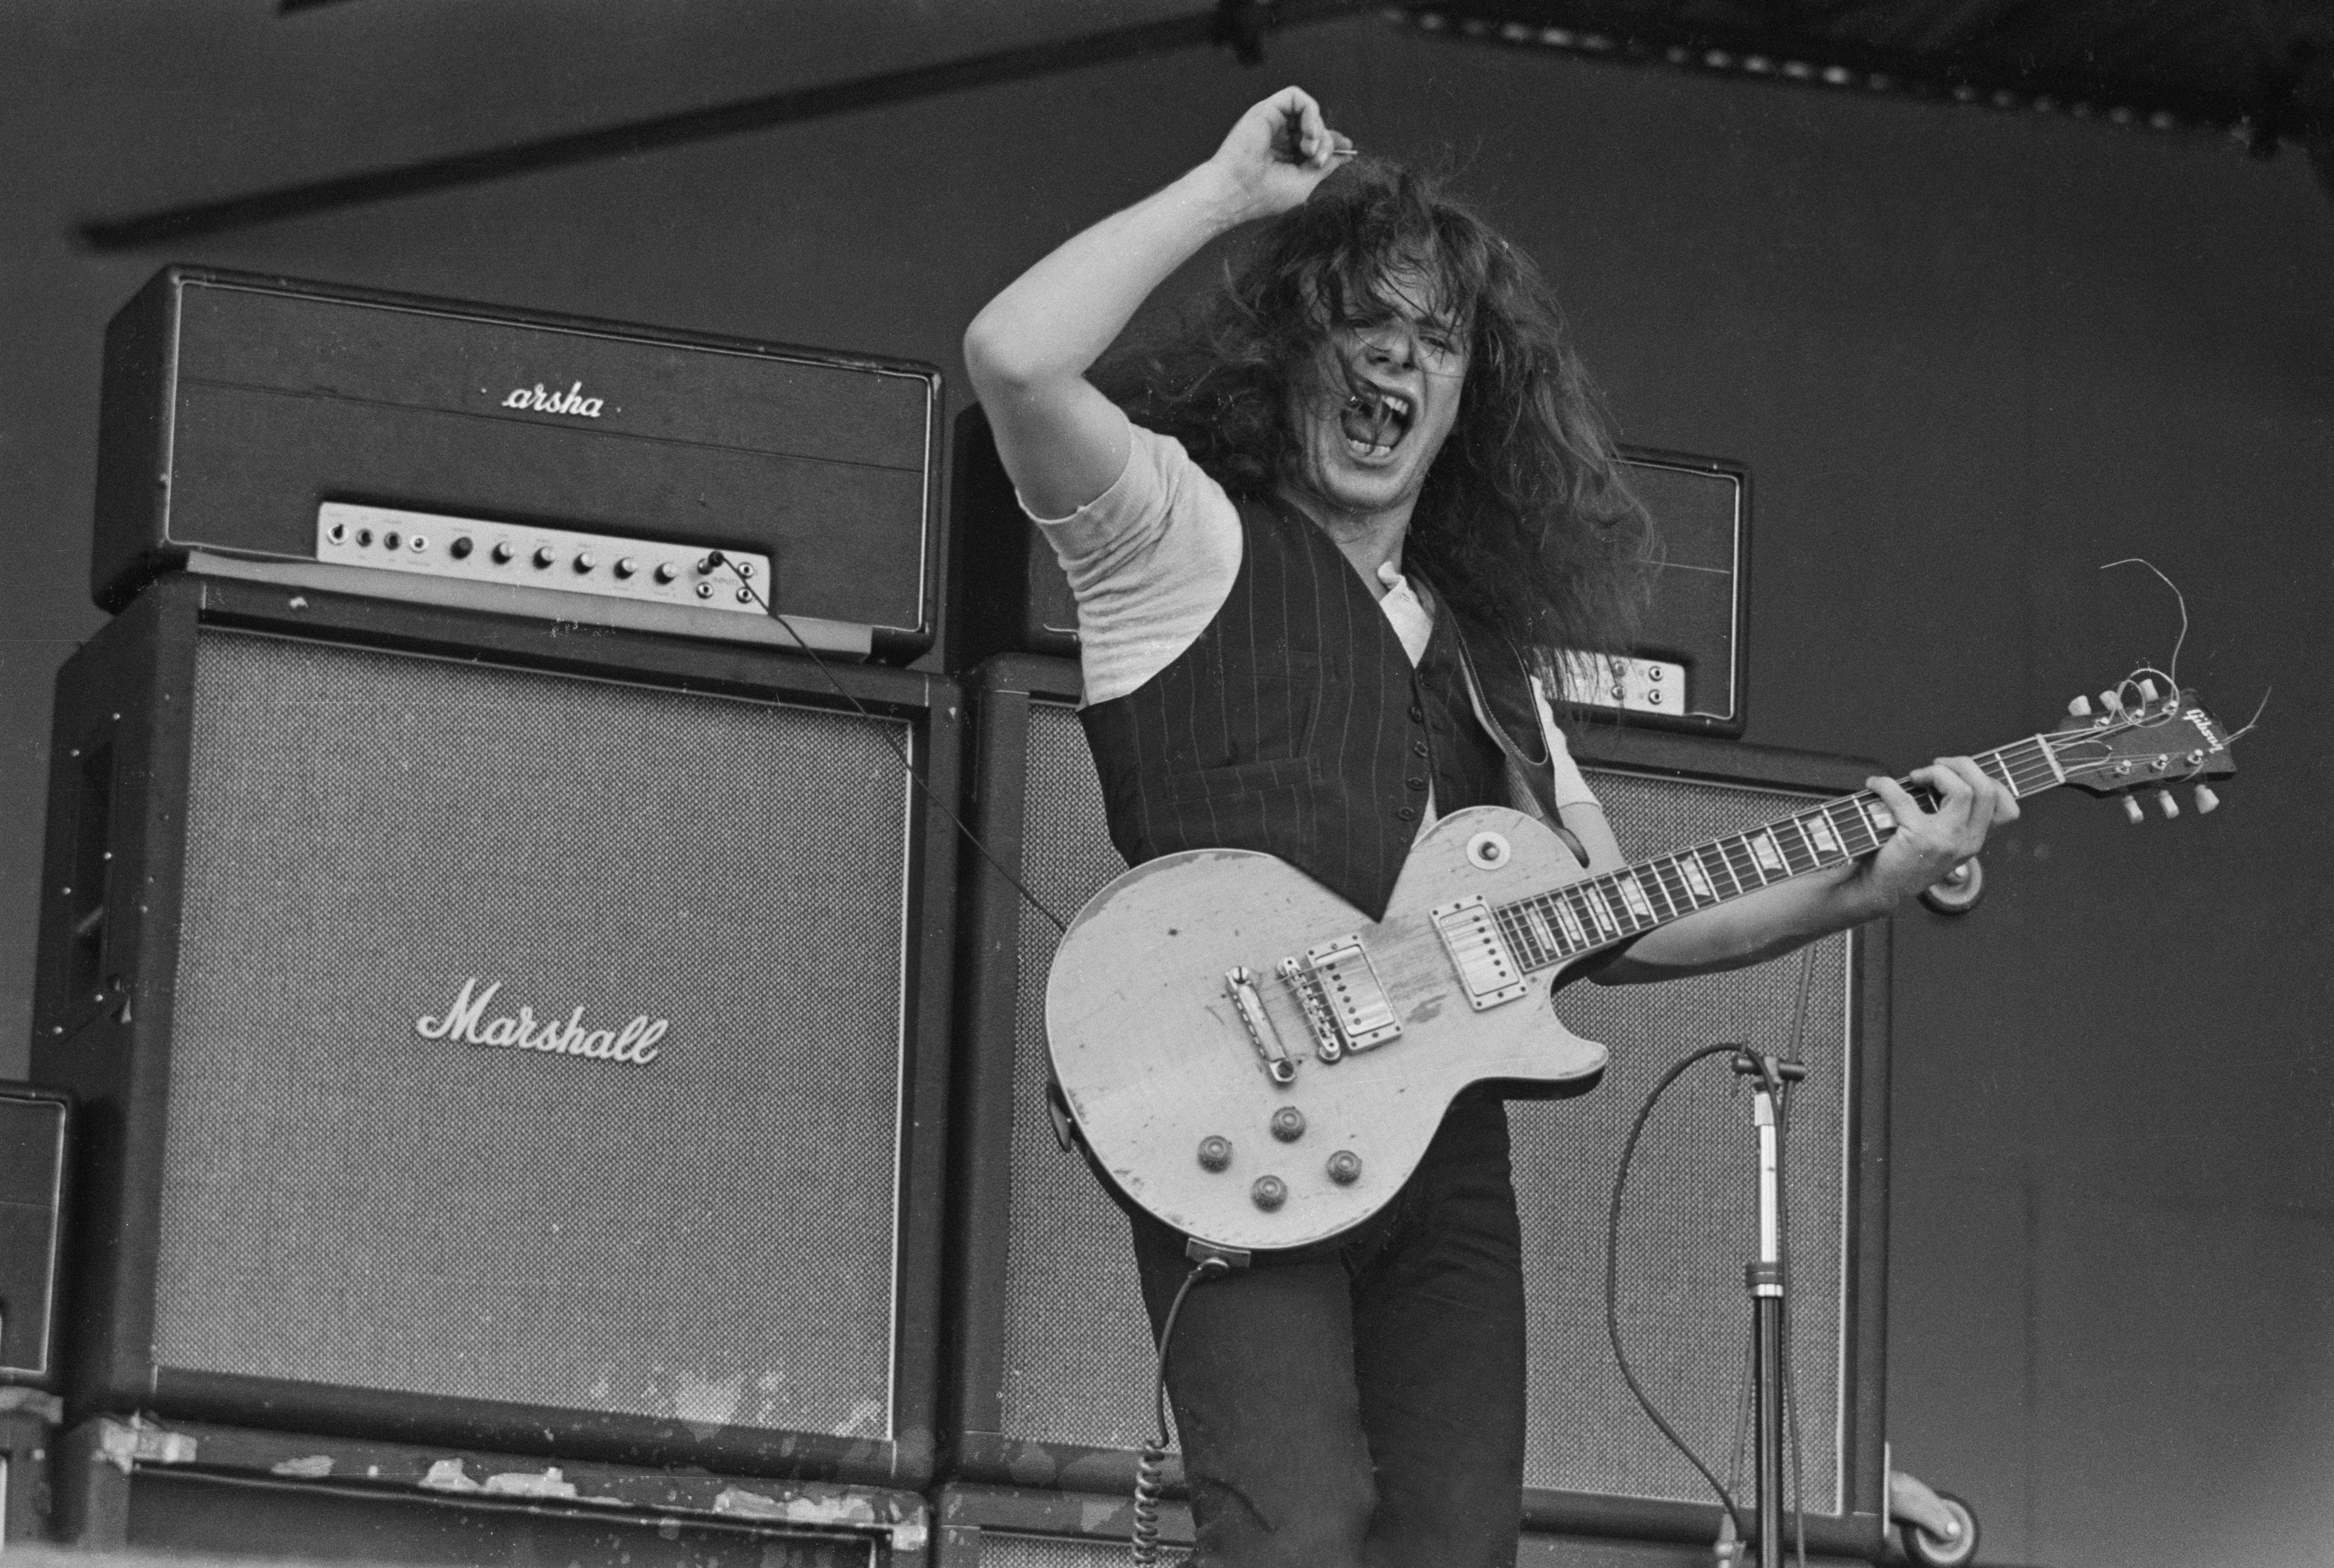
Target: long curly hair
(1524,525)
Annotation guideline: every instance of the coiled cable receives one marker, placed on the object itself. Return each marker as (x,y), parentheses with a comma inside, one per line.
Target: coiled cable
(1151,1469)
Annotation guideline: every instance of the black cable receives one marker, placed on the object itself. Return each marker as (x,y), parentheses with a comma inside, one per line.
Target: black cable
(715,557)
(1151,1469)
(1612,1274)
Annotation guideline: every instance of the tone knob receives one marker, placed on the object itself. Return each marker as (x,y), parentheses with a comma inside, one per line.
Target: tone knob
(1289,1124)
(1215,1153)
(1345,1167)
(1268,1193)
(543,556)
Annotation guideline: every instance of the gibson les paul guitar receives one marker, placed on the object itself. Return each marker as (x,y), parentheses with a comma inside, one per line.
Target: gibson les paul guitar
(1262,1068)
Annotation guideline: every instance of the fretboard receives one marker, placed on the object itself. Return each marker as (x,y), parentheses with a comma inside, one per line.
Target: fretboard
(1549,927)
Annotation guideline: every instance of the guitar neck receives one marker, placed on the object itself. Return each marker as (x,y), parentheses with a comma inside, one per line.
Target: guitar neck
(1582,916)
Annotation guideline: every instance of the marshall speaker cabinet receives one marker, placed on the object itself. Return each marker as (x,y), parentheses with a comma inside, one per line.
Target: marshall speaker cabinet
(499,1031)
(1052,1362)
(579,470)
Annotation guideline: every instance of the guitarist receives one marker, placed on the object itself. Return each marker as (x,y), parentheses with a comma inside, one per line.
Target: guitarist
(1373,437)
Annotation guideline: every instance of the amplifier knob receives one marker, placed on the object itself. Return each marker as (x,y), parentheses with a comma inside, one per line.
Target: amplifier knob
(389,540)
(626,565)
(664,572)
(461,548)
(543,555)
(502,552)
(583,562)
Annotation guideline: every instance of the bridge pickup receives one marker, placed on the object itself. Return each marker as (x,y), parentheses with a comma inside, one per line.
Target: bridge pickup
(1349,986)
(1486,969)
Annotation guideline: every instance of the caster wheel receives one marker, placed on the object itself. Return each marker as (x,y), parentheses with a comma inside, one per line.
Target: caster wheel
(1932,1551)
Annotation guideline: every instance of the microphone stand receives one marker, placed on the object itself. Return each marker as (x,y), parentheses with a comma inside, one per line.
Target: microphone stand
(1763,1277)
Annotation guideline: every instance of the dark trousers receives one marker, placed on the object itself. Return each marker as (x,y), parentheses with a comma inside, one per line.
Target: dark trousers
(1366,1404)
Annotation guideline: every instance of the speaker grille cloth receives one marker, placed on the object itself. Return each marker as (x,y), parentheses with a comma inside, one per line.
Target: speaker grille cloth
(709,1235)
(1004,1549)
(1077,1350)
(1077,1345)
(1690,1215)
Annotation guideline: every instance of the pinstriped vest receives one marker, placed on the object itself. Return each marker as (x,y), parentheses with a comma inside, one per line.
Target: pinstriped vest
(1294,725)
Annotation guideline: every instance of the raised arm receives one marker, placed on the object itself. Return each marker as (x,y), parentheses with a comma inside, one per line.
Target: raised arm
(1029,349)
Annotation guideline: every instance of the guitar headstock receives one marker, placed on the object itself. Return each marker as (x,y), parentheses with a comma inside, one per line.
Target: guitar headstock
(2140,736)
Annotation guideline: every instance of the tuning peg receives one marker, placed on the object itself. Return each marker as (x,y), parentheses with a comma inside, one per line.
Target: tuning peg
(2131,809)
(2112,701)
(2080,707)
(2206,801)
(2171,807)
(2147,688)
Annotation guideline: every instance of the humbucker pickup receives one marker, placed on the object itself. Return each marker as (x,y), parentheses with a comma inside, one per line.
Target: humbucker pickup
(1480,954)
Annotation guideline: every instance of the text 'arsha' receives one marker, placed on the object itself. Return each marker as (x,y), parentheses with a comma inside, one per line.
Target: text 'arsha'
(571,401)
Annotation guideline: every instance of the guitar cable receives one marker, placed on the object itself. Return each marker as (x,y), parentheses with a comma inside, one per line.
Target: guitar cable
(745,585)
(1150,1466)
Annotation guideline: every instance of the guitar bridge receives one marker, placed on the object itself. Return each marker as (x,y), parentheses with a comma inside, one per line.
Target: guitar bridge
(1487,971)
(1348,989)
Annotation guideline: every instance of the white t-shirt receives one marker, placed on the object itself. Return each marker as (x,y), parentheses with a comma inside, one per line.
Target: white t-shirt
(1152,558)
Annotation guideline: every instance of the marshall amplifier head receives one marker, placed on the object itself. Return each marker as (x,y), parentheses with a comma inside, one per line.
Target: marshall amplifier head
(578,470)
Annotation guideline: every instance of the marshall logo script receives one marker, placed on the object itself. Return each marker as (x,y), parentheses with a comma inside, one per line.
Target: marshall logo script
(465,1021)
(571,401)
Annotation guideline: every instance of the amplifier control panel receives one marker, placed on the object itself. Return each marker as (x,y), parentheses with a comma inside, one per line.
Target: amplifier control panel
(1635,685)
(524,556)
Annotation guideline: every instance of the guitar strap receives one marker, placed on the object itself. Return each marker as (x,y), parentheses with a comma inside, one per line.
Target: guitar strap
(1522,768)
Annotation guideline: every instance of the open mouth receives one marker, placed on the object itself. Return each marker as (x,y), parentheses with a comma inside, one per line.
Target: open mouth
(1374,420)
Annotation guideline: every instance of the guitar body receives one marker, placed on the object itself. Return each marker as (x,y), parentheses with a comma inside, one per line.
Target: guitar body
(1156,1058)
